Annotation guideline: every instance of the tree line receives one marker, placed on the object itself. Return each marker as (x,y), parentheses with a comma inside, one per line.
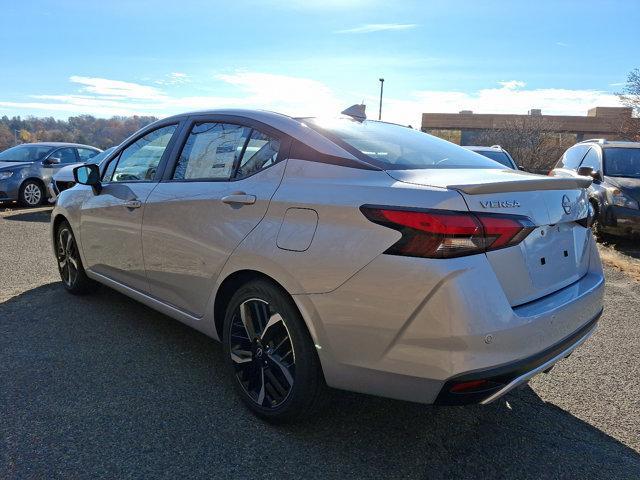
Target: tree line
(86,129)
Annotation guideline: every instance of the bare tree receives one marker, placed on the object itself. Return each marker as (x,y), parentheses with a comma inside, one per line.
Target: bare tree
(629,128)
(533,141)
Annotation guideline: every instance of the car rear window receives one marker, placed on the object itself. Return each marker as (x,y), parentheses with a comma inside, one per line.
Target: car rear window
(394,147)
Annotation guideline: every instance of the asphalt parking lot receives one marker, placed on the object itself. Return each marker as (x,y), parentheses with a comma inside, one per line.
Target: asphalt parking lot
(103,387)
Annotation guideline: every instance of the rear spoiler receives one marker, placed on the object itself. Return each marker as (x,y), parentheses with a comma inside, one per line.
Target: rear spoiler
(530,184)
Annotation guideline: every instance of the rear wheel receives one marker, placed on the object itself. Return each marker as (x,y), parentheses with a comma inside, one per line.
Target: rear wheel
(31,194)
(273,359)
(72,272)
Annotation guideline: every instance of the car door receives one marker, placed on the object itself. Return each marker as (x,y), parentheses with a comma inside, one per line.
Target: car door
(218,190)
(111,220)
(56,160)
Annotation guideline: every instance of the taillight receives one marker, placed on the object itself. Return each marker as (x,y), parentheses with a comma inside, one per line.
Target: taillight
(446,234)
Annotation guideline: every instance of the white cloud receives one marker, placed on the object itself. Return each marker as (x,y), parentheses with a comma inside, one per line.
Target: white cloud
(512,84)
(562,44)
(292,95)
(509,98)
(106,97)
(378,27)
(116,88)
(299,96)
(174,78)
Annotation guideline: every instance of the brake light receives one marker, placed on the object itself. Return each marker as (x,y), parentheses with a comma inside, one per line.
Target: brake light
(446,234)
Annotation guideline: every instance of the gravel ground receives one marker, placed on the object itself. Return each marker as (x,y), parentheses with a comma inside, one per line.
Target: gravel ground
(103,387)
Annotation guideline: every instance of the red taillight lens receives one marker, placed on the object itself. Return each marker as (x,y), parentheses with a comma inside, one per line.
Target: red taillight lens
(446,234)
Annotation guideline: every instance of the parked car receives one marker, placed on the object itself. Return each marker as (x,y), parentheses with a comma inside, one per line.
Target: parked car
(615,192)
(26,169)
(495,152)
(63,179)
(363,254)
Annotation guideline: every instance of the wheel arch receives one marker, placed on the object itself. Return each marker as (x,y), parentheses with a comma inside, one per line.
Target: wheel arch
(237,278)
(229,286)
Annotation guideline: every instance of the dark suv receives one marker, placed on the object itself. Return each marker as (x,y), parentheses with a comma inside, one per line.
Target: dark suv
(615,192)
(26,169)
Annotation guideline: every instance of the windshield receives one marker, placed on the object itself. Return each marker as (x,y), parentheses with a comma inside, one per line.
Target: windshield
(496,155)
(393,147)
(622,162)
(25,153)
(99,158)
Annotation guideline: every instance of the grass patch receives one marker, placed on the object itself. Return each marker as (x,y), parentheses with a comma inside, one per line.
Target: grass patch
(624,263)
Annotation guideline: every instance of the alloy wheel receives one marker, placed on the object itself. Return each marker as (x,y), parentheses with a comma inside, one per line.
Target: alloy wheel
(262,353)
(32,194)
(67,254)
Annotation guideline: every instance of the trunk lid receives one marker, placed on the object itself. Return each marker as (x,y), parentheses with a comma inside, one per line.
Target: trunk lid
(555,254)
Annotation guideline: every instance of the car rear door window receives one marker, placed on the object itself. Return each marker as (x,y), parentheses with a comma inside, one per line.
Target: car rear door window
(211,151)
(261,152)
(66,155)
(86,153)
(139,161)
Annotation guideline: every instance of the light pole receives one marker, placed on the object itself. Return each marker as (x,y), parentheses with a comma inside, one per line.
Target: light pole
(381,88)
(15,136)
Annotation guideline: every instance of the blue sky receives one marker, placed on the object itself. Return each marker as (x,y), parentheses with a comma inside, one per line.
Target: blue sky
(307,57)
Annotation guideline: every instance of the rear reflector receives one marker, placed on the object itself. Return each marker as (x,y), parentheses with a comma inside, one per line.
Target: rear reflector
(446,234)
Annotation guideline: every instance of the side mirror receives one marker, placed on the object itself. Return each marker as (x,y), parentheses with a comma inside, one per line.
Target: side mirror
(589,172)
(53,161)
(88,175)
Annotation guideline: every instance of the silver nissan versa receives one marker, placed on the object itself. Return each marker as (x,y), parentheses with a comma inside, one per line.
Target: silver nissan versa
(345,252)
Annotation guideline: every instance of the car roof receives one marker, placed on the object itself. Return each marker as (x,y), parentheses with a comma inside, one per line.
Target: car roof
(621,144)
(60,144)
(610,143)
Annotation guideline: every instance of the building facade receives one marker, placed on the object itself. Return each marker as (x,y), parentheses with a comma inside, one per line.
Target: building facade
(468,128)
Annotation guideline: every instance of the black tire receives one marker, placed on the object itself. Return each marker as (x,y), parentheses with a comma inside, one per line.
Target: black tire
(31,194)
(259,354)
(72,273)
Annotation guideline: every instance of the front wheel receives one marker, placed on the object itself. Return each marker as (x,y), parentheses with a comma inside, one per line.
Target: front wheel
(273,359)
(31,194)
(72,272)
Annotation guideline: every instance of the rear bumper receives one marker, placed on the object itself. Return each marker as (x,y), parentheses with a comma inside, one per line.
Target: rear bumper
(501,380)
(405,327)
(622,221)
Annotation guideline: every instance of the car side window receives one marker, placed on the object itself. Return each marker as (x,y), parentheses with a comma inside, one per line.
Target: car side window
(572,157)
(85,154)
(261,152)
(592,159)
(66,155)
(211,151)
(139,161)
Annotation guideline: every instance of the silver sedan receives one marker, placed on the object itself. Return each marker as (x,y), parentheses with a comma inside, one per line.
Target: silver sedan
(345,252)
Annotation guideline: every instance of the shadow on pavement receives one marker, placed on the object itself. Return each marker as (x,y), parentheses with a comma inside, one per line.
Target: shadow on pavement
(101,386)
(42,216)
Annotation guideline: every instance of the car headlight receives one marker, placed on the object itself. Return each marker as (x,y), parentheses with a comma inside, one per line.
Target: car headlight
(5,175)
(621,200)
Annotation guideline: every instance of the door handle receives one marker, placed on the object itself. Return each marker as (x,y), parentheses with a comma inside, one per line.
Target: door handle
(239,198)
(133,204)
